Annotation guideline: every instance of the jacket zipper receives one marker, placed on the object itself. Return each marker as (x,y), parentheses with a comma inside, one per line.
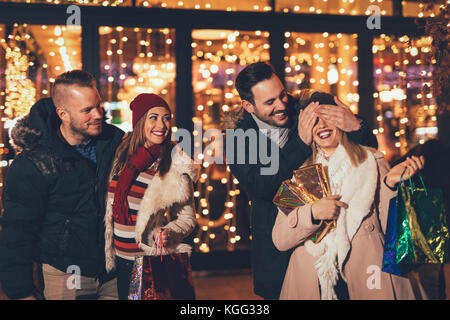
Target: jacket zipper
(65,237)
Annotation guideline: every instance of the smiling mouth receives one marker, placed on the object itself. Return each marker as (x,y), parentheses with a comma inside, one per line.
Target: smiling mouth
(325,134)
(279,114)
(159,133)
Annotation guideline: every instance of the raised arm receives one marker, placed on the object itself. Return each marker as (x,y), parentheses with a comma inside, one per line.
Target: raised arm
(390,177)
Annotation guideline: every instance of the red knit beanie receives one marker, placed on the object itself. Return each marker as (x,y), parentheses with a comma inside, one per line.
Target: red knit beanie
(144,102)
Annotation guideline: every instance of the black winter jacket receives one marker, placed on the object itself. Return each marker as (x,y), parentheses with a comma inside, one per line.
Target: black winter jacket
(54,202)
(268,264)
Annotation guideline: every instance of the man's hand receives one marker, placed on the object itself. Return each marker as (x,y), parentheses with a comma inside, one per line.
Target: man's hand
(306,121)
(339,116)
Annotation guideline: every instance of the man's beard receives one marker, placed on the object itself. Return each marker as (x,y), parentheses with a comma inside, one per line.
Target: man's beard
(272,122)
(82,132)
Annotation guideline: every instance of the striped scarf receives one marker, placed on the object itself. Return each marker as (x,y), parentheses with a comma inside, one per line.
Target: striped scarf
(141,160)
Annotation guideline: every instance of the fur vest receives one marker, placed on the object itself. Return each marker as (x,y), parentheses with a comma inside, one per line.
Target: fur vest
(174,190)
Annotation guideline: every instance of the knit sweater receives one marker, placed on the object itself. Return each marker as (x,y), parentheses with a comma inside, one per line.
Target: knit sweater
(125,243)
(167,198)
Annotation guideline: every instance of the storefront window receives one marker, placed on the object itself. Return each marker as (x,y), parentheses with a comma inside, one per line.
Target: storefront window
(218,56)
(404,103)
(422,10)
(228,5)
(325,62)
(344,7)
(134,61)
(31,57)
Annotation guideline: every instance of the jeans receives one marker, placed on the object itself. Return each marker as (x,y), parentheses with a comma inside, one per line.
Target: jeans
(66,286)
(124,268)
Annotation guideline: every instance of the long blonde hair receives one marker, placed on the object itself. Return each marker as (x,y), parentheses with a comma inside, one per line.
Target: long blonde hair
(355,151)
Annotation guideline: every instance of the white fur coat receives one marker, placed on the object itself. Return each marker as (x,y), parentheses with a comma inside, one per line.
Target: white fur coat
(173,191)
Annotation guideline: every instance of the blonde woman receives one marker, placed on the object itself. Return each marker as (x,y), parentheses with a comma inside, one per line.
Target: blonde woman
(346,264)
(149,176)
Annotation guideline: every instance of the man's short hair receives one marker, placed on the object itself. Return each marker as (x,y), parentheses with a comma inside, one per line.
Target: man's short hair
(250,76)
(75,77)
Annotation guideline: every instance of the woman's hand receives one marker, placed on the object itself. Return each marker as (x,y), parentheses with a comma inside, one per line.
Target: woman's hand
(165,235)
(327,208)
(412,165)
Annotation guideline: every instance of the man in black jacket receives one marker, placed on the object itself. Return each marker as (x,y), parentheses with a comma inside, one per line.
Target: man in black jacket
(54,196)
(266,105)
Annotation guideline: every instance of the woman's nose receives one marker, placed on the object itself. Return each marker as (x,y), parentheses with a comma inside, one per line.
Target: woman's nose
(160,124)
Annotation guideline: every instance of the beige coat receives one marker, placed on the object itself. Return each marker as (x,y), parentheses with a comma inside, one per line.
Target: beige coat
(362,269)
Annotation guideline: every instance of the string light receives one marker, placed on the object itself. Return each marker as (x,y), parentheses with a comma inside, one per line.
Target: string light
(333,64)
(232,51)
(395,84)
(325,68)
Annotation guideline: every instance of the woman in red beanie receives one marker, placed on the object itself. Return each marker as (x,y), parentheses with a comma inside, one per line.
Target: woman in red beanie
(150,176)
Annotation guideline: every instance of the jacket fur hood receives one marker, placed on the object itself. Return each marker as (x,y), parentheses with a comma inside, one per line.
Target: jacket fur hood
(34,126)
(161,194)
(231,118)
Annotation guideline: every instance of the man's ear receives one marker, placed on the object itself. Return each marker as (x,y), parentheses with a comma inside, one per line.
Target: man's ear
(248,106)
(62,113)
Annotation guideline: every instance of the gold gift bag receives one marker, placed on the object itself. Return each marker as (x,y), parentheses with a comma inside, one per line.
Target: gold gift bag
(312,184)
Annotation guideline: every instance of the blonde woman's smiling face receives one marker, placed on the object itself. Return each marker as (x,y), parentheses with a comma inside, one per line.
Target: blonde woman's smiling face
(326,136)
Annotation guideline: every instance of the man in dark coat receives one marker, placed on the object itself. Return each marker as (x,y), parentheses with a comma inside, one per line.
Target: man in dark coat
(54,196)
(267,106)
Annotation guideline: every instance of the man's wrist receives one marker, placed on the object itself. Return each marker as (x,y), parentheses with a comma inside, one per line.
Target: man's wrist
(357,125)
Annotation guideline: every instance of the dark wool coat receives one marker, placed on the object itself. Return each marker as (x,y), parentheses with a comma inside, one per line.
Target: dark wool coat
(53,202)
(269,264)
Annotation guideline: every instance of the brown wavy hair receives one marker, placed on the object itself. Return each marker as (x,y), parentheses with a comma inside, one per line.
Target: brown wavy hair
(135,139)
(355,151)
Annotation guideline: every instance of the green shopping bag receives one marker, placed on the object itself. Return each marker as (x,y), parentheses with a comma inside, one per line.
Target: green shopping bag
(422,232)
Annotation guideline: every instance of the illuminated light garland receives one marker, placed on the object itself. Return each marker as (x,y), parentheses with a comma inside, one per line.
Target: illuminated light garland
(152,72)
(21,91)
(325,69)
(219,53)
(406,53)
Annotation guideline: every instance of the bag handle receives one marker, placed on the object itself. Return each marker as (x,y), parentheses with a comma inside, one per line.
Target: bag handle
(411,183)
(160,245)
(423,184)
